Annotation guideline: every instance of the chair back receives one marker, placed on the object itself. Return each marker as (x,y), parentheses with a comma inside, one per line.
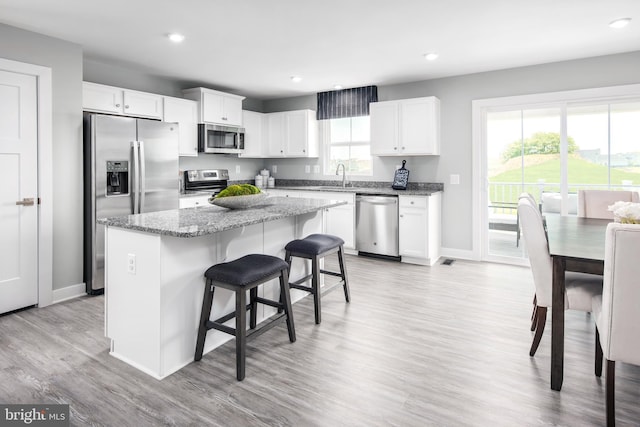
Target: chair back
(595,203)
(535,242)
(619,320)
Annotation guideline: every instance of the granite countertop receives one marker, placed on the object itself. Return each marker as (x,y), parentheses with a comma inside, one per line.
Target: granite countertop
(358,187)
(200,221)
(387,191)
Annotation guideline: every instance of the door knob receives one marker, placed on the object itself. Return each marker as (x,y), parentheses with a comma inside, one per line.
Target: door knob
(26,202)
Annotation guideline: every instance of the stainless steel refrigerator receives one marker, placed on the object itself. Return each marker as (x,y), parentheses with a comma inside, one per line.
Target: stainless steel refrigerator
(130,167)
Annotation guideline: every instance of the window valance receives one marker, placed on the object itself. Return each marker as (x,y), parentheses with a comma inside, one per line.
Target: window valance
(338,104)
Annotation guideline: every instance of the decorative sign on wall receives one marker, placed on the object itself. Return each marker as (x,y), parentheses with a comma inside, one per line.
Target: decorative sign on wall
(401,178)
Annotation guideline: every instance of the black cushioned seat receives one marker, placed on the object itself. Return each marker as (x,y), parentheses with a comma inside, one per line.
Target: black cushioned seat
(314,244)
(242,275)
(245,270)
(315,247)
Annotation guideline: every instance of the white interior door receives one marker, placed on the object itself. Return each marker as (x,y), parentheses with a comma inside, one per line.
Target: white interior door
(18,192)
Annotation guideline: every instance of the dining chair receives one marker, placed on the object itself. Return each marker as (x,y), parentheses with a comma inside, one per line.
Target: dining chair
(580,288)
(616,310)
(595,203)
(534,313)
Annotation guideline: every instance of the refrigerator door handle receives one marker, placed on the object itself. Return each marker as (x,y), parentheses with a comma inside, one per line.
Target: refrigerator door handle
(142,175)
(136,178)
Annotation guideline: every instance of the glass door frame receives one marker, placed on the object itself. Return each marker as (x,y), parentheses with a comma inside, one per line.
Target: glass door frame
(480,187)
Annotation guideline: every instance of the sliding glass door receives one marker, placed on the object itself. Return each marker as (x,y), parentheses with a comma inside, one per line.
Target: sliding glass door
(523,155)
(552,152)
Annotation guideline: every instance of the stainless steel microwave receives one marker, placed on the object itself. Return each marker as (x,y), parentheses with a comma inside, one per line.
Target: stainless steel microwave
(220,139)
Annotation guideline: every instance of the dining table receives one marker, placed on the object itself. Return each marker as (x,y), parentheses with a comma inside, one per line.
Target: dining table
(575,244)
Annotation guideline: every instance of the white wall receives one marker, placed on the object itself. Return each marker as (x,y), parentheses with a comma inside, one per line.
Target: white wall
(456,94)
(65,60)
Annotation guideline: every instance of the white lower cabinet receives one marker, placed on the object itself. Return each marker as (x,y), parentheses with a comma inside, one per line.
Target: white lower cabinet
(339,221)
(419,226)
(193,201)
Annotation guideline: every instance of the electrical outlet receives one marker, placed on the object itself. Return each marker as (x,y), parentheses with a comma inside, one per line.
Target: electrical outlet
(131,263)
(307,169)
(454,179)
(237,168)
(316,168)
(274,169)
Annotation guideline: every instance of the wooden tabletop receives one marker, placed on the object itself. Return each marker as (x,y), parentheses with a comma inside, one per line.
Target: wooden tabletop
(574,237)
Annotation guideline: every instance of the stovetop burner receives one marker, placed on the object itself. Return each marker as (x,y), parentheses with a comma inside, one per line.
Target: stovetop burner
(205,181)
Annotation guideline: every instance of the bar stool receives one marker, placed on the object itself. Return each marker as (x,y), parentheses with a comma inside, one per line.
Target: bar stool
(315,247)
(240,275)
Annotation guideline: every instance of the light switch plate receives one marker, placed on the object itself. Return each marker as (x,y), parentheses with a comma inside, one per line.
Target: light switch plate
(316,168)
(454,179)
(307,169)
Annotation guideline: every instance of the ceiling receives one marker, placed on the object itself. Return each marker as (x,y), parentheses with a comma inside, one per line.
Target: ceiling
(253,47)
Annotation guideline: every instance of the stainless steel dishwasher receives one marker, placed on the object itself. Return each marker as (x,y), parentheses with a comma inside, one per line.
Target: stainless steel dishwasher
(377,225)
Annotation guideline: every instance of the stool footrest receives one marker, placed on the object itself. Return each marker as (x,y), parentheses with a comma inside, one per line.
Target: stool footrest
(301,287)
(230,315)
(301,280)
(264,326)
(331,273)
(221,327)
(272,303)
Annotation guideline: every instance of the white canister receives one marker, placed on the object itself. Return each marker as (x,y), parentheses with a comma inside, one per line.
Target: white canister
(259,181)
(264,172)
(271,182)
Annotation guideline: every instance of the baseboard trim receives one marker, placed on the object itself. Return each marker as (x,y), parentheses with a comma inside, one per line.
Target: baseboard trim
(69,292)
(457,254)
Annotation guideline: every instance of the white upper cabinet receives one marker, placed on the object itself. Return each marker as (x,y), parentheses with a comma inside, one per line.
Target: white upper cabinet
(115,100)
(405,127)
(185,113)
(216,107)
(255,134)
(292,134)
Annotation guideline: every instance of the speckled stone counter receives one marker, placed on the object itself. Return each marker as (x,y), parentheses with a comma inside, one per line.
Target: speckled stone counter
(200,221)
(386,191)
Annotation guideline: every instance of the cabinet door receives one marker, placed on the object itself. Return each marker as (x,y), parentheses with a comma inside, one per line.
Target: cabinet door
(232,111)
(340,222)
(413,227)
(418,126)
(141,104)
(213,108)
(277,134)
(254,134)
(297,134)
(100,98)
(185,113)
(384,128)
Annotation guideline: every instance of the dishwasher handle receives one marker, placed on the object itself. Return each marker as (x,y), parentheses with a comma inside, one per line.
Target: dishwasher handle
(382,200)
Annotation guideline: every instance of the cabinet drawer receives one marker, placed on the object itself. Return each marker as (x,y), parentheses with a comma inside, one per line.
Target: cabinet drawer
(412,202)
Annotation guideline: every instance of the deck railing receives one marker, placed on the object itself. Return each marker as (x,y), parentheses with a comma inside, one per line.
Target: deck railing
(503,196)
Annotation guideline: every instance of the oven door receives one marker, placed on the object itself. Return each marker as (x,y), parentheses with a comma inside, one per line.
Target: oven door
(220,139)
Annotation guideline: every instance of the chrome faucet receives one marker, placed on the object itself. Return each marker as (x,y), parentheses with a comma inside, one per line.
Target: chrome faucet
(344,174)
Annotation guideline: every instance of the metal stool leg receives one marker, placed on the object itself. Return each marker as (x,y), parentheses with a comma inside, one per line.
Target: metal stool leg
(285,298)
(315,286)
(343,272)
(241,332)
(207,301)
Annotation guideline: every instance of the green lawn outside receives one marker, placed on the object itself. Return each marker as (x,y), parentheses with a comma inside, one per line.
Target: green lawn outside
(580,172)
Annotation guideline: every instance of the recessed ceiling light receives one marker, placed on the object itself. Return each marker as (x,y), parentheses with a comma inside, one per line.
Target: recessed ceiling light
(296,79)
(431,56)
(337,87)
(620,23)
(175,37)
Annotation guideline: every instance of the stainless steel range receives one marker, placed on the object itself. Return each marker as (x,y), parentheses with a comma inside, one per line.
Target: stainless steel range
(205,181)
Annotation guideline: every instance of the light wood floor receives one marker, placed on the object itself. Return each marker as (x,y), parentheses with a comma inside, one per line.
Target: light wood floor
(439,346)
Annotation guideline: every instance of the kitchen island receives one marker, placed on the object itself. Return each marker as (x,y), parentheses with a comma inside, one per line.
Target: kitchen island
(154,266)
